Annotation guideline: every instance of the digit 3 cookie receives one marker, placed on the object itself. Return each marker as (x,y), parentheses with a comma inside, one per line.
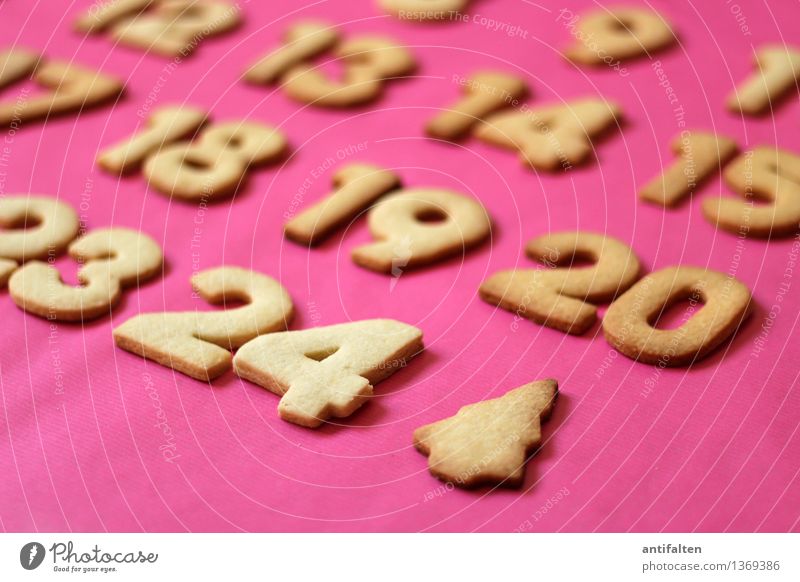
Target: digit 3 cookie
(561,296)
(489,442)
(629,323)
(327,371)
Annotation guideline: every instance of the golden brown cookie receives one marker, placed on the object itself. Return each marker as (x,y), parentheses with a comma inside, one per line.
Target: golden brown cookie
(484,93)
(769,176)
(618,34)
(420,226)
(15,65)
(101,15)
(629,322)
(489,442)
(553,137)
(778,73)
(562,296)
(199,344)
(327,371)
(112,258)
(700,155)
(356,186)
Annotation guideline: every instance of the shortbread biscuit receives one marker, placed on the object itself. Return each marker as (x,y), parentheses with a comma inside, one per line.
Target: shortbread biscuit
(73,89)
(778,73)
(619,34)
(16,65)
(422,10)
(216,164)
(700,155)
(199,344)
(103,14)
(165,126)
(327,371)
(629,322)
(112,258)
(484,93)
(772,177)
(357,186)
(552,137)
(563,298)
(420,226)
(489,442)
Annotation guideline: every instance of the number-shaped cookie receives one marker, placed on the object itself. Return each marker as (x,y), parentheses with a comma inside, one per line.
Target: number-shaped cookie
(484,93)
(700,155)
(564,298)
(418,10)
(605,35)
(368,63)
(33,227)
(778,73)
(15,65)
(552,137)
(420,226)
(172,28)
(628,323)
(112,258)
(327,371)
(71,88)
(199,344)
(773,177)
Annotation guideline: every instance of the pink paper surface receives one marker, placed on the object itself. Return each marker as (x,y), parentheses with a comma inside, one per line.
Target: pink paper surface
(630,447)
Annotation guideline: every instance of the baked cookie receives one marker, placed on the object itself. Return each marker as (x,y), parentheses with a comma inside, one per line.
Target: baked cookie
(327,371)
(562,296)
(778,73)
(629,322)
(489,442)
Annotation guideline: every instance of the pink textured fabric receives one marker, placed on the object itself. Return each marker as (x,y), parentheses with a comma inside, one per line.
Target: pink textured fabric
(95,438)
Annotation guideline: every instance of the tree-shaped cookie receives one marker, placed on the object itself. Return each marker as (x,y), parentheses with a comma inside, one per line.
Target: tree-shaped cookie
(489,442)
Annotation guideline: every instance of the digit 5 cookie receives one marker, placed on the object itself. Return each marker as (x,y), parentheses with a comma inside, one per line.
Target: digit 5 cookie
(563,298)
(489,442)
(327,371)
(629,322)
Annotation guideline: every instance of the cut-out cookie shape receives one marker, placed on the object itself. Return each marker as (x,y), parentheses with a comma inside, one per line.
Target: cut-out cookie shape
(15,65)
(33,227)
(606,35)
(773,177)
(421,10)
(421,226)
(552,137)
(368,62)
(357,186)
(484,93)
(700,155)
(489,442)
(213,165)
(628,324)
(199,344)
(69,88)
(328,371)
(563,298)
(172,28)
(778,73)
(112,258)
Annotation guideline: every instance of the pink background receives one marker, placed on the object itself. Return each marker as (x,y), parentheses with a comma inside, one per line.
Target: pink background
(714,448)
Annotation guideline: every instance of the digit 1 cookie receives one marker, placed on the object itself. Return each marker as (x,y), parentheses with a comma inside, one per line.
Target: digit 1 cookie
(421,226)
(554,137)
(628,323)
(327,371)
(563,298)
(199,344)
(15,65)
(489,442)
(357,186)
(112,258)
(773,177)
(700,155)
(778,72)
(484,93)
(420,10)
(606,35)
(34,227)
